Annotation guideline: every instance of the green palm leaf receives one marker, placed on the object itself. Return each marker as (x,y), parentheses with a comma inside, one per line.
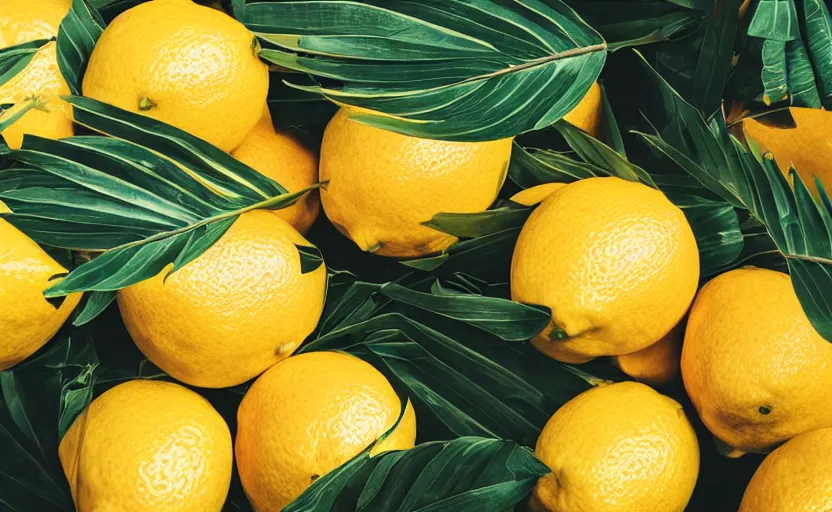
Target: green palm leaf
(466,474)
(144,211)
(442,69)
(799,225)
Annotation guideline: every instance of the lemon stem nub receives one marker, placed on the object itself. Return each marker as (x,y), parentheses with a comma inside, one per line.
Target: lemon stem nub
(146,104)
(374,248)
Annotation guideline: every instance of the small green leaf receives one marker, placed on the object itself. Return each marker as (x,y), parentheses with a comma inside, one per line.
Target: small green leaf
(595,152)
(310,258)
(532,166)
(95,304)
(472,255)
(465,474)
(511,321)
(718,235)
(77,35)
(473,225)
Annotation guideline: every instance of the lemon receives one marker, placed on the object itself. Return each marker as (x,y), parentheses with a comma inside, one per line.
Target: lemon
(807,148)
(182,63)
(796,477)
(306,416)
(20,22)
(146,445)
(27,319)
(657,364)
(237,309)
(383,185)
(615,261)
(621,447)
(753,365)
(281,157)
(588,114)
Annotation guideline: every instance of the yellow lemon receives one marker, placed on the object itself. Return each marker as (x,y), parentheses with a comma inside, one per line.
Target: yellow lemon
(27,319)
(753,365)
(621,447)
(383,185)
(182,63)
(281,157)
(306,416)
(237,309)
(535,195)
(615,261)
(796,477)
(588,115)
(807,147)
(657,364)
(146,445)
(20,22)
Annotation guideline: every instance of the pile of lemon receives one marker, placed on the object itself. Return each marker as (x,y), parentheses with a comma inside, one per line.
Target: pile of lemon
(615,261)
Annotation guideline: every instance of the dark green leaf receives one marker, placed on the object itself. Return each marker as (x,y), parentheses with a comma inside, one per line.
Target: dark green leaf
(718,235)
(77,35)
(441,69)
(472,225)
(310,258)
(611,130)
(509,320)
(774,74)
(40,398)
(293,107)
(628,23)
(14,59)
(799,225)
(470,384)
(95,304)
(466,474)
(595,152)
(801,78)
(532,166)
(471,255)
(817,27)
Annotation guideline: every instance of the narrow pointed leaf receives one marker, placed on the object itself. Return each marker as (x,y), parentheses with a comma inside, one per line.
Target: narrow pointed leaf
(94,305)
(77,35)
(511,321)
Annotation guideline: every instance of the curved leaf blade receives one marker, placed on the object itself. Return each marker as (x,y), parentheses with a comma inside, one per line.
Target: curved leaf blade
(511,321)
(466,474)
(77,35)
(450,69)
